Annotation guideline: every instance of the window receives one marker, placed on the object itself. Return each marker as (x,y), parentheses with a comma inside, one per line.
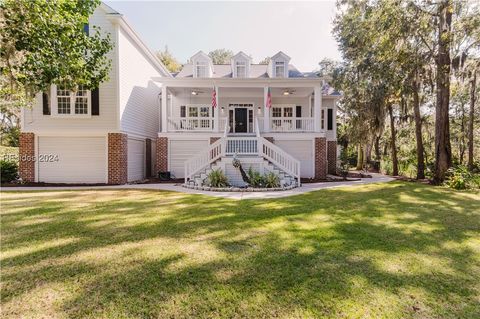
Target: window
(276,112)
(201,69)
(71,103)
(288,112)
(323,120)
(204,111)
(279,69)
(241,69)
(330,119)
(63,101)
(193,111)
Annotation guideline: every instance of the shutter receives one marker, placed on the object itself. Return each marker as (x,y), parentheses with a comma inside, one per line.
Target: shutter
(95,102)
(298,111)
(330,119)
(46,107)
(183,111)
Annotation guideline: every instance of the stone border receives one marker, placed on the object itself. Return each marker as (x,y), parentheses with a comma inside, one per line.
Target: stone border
(238,189)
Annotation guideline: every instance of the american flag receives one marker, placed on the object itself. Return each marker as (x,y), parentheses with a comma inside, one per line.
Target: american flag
(214,98)
(269,98)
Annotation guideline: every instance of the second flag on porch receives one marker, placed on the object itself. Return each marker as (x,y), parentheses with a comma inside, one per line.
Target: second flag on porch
(214,97)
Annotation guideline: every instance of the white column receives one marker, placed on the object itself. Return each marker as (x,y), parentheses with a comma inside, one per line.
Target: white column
(164,108)
(216,119)
(317,107)
(266,111)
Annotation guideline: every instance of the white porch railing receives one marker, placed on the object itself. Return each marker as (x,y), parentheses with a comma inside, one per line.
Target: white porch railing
(207,157)
(242,145)
(191,124)
(294,124)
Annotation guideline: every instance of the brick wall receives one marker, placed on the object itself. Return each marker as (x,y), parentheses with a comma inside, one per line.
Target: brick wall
(162,154)
(117,158)
(26,165)
(320,158)
(332,157)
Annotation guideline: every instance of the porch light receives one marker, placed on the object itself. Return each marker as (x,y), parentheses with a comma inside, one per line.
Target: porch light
(286,93)
(194,92)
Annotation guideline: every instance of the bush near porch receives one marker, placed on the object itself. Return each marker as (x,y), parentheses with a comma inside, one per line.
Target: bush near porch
(396,250)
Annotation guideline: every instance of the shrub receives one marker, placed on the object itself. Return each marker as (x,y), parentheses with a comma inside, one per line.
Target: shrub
(386,166)
(8,171)
(271,180)
(217,178)
(460,177)
(255,178)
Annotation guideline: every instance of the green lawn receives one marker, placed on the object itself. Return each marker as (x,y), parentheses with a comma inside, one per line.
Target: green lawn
(396,250)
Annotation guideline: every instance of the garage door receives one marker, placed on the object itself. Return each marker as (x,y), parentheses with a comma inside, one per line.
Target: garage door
(302,151)
(136,160)
(80,159)
(180,151)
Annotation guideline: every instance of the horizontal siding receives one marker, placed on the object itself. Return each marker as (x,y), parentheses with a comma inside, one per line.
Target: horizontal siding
(80,159)
(136,160)
(35,121)
(303,151)
(139,103)
(180,151)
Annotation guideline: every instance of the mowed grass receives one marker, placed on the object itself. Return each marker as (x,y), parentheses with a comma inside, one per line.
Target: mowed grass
(396,250)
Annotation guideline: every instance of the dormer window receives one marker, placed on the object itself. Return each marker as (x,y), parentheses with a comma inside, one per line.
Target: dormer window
(279,69)
(201,69)
(241,69)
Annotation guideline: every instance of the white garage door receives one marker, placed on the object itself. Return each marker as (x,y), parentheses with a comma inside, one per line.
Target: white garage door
(302,151)
(180,151)
(80,159)
(136,160)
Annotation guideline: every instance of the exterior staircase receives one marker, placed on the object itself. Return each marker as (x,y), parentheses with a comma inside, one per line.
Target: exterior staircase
(252,151)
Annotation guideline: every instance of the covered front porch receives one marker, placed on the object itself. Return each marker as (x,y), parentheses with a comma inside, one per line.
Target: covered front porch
(294,108)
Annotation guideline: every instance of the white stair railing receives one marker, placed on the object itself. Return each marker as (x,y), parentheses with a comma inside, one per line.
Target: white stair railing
(203,160)
(278,157)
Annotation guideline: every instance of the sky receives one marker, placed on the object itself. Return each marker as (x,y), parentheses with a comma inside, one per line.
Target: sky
(302,30)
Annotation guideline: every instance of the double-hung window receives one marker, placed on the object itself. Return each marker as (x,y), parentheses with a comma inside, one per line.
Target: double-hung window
(199,116)
(70,103)
(279,69)
(241,69)
(201,69)
(282,118)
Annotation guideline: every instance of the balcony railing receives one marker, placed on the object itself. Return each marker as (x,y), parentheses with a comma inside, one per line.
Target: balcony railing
(293,124)
(189,124)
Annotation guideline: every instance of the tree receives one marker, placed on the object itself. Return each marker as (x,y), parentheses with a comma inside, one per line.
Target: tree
(265,61)
(169,60)
(221,56)
(44,43)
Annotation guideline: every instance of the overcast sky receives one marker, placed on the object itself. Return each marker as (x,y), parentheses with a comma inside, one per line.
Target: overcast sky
(300,29)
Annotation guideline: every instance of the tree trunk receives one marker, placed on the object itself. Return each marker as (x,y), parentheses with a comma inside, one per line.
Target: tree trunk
(359,157)
(461,144)
(394,142)
(471,118)
(443,151)
(418,131)
(377,148)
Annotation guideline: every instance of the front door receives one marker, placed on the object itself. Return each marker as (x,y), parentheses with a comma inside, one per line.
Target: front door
(241,120)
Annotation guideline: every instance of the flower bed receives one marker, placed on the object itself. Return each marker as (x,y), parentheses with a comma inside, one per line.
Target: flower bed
(239,189)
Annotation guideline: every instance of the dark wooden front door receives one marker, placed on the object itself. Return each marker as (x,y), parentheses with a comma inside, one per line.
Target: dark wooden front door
(241,120)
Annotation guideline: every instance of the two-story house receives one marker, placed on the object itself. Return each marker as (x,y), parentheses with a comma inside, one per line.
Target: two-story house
(145,120)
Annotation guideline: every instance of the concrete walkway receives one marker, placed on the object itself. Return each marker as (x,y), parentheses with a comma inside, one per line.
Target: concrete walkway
(308,187)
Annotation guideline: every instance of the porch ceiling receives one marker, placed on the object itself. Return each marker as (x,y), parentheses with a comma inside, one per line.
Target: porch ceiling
(241,92)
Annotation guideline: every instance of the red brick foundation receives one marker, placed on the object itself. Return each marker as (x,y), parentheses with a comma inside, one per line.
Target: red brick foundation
(320,158)
(214,139)
(162,154)
(332,157)
(26,165)
(117,158)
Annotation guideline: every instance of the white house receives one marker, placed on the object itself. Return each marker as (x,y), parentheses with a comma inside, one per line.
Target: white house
(145,120)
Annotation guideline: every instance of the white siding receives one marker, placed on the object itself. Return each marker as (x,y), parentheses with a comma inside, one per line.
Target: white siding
(80,159)
(107,121)
(139,104)
(136,159)
(181,150)
(303,151)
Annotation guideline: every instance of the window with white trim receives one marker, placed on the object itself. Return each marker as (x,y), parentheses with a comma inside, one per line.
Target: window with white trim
(67,102)
(241,69)
(201,69)
(279,69)
(199,116)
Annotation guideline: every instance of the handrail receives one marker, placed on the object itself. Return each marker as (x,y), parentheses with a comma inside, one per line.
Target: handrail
(204,159)
(280,158)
